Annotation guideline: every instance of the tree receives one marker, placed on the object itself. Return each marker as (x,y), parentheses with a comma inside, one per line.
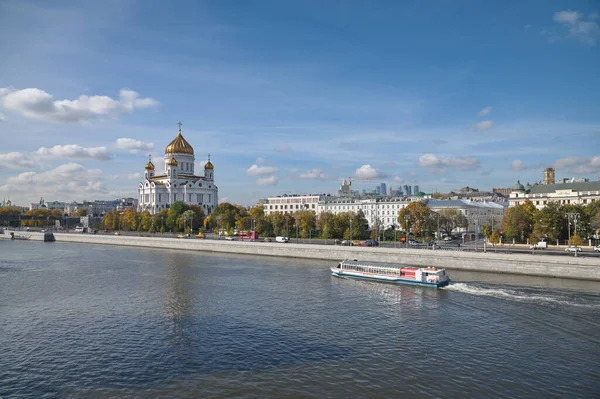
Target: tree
(189,219)
(451,219)
(80,212)
(416,216)
(549,222)
(147,221)
(495,237)
(486,230)
(517,223)
(576,240)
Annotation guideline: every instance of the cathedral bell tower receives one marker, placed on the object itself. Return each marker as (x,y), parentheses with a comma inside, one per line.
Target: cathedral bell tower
(209,170)
(172,168)
(149,168)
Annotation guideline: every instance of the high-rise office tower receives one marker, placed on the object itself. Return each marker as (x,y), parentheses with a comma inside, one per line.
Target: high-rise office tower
(416,188)
(407,190)
(382,189)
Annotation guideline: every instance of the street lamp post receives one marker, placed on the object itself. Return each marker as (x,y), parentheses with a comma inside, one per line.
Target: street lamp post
(350,242)
(406,219)
(287,230)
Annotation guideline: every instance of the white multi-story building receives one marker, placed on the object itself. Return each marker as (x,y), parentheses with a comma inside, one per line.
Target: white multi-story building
(178,181)
(377,211)
(567,192)
(292,203)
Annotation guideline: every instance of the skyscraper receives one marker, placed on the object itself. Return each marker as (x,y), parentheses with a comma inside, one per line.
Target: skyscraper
(382,189)
(407,190)
(416,188)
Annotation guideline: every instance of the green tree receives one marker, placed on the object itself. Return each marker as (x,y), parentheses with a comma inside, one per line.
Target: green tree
(451,219)
(576,240)
(549,222)
(495,237)
(416,217)
(517,223)
(146,221)
(80,212)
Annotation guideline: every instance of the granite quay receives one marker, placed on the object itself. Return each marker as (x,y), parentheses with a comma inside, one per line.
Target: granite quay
(523,264)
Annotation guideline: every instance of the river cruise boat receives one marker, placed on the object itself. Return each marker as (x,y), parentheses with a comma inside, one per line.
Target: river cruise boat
(424,276)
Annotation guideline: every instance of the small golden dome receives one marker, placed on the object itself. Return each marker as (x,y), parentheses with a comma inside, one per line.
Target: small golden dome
(172,162)
(179,146)
(149,165)
(209,165)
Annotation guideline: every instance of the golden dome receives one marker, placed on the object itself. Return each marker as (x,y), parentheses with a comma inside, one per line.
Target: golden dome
(209,165)
(149,165)
(172,161)
(179,146)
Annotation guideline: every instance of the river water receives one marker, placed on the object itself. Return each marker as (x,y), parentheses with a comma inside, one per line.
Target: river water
(90,321)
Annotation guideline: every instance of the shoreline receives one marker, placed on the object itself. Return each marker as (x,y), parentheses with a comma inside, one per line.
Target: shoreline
(520,264)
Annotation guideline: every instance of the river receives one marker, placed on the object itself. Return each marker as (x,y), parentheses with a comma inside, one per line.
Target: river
(92,321)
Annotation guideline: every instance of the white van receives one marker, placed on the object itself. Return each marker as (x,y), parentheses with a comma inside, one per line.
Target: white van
(541,244)
(281,239)
(79,229)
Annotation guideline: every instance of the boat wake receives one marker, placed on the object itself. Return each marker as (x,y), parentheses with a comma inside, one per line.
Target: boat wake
(528,295)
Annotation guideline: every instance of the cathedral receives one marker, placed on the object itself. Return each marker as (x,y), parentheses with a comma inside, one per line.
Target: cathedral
(178,182)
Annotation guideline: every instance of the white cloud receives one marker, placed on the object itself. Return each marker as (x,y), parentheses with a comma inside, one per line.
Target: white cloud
(368,172)
(223,200)
(132,145)
(2,117)
(294,170)
(260,160)
(587,32)
(436,163)
(74,151)
(569,162)
(37,104)
(314,174)
(256,170)
(398,179)
(483,125)
(65,181)
(485,111)
(579,165)
(518,165)
(267,181)
(568,17)
(134,176)
(16,160)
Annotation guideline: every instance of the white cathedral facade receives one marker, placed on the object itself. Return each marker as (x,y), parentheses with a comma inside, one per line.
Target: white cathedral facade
(178,182)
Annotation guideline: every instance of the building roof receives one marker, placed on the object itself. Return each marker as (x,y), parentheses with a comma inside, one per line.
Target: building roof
(464,204)
(576,186)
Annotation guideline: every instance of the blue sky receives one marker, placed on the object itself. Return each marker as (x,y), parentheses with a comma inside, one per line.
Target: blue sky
(291,97)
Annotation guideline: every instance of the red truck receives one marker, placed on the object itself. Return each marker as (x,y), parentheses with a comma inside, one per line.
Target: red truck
(248,235)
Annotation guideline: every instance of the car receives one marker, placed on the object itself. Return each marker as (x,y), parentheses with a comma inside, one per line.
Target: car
(412,242)
(371,243)
(117,233)
(447,238)
(356,243)
(345,242)
(572,248)
(230,238)
(597,248)
(200,235)
(181,236)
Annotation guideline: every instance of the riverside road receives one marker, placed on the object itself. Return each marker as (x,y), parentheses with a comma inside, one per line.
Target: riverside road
(478,246)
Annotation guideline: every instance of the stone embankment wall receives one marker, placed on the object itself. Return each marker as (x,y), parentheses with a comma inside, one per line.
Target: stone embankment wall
(526,264)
